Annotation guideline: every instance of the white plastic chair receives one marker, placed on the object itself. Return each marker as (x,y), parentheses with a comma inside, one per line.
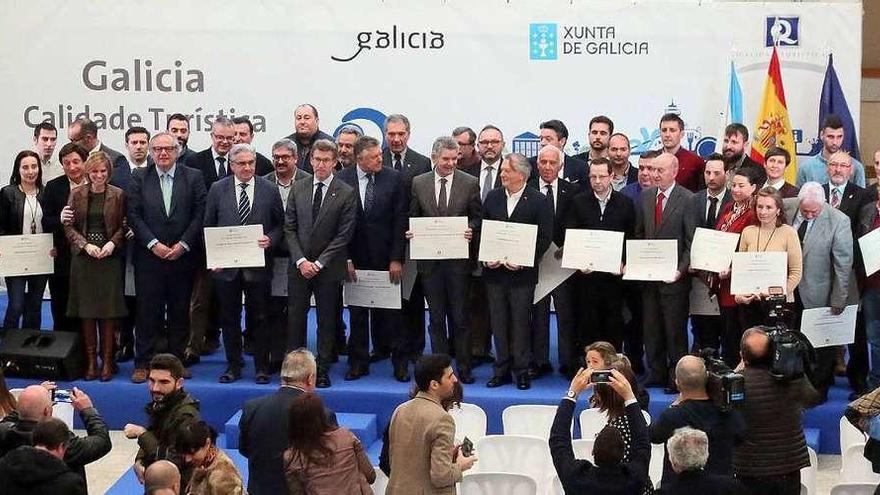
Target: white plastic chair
(592,421)
(470,421)
(853,489)
(515,454)
(583,448)
(495,483)
(381,482)
(556,486)
(809,473)
(655,466)
(849,435)
(854,468)
(529,419)
(61,410)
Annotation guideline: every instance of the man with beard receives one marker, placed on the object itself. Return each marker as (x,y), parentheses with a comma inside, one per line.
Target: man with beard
(690,165)
(623,172)
(178,126)
(598,135)
(305,121)
(467,147)
(345,139)
(815,168)
(734,152)
(172,409)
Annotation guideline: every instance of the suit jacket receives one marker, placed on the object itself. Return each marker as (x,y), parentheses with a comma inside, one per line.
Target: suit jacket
(298,175)
(114,216)
(55,196)
(304,151)
(149,220)
(699,481)
(867,215)
(111,153)
(185,153)
(121,176)
(788,191)
(414,164)
(476,168)
(533,208)
(619,216)
(12,209)
(747,162)
(221,210)
(264,165)
(565,194)
(574,171)
(828,257)
(378,234)
(463,200)
(421,437)
(263,439)
(204,162)
(677,223)
(698,206)
(326,239)
(854,198)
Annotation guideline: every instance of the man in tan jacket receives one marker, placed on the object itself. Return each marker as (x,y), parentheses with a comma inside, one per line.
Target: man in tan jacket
(423,457)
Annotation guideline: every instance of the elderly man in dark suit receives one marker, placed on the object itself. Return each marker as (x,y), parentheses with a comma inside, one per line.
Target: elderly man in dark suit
(377,244)
(264,422)
(555,133)
(166,205)
(318,226)
(665,213)
(244,199)
(511,288)
(447,192)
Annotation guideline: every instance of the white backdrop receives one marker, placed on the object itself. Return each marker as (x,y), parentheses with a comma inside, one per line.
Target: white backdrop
(466,62)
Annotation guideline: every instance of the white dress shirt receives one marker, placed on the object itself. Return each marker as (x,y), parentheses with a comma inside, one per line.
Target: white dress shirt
(249,190)
(513,199)
(555,186)
(437,184)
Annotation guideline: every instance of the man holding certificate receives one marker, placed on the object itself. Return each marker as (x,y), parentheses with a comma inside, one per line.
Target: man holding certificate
(447,192)
(377,244)
(666,214)
(510,287)
(240,200)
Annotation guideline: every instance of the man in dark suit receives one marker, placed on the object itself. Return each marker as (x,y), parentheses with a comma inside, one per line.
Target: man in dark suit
(204,327)
(166,205)
(398,155)
(244,199)
(318,226)
(601,294)
(448,192)
(510,287)
(345,139)
(775,162)
(377,244)
(178,126)
(733,150)
(561,194)
(55,196)
(244,133)
(622,171)
(553,132)
(136,144)
(707,206)
(666,214)
(306,132)
(85,132)
(599,133)
(264,423)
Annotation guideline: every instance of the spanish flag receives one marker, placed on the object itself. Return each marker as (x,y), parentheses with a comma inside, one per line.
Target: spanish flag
(773,127)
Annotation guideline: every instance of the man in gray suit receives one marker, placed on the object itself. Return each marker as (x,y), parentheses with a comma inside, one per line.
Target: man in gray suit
(665,213)
(826,238)
(446,281)
(318,225)
(85,132)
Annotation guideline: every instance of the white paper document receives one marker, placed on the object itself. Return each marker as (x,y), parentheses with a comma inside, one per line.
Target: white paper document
(438,238)
(712,250)
(825,329)
(28,254)
(653,260)
(550,273)
(595,250)
(234,247)
(279,276)
(756,272)
(508,242)
(373,289)
(870,246)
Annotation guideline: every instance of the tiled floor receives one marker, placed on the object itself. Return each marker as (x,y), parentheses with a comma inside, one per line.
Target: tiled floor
(103,473)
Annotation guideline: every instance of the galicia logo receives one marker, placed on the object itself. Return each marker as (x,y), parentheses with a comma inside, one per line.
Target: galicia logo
(542,41)
(369,120)
(395,39)
(782,31)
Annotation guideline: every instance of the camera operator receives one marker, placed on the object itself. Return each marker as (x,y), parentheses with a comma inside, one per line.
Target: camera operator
(694,408)
(773,450)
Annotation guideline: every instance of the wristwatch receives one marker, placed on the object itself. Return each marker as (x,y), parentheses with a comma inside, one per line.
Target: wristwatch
(571,395)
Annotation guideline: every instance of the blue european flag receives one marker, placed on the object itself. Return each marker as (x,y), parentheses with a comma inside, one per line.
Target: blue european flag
(833,101)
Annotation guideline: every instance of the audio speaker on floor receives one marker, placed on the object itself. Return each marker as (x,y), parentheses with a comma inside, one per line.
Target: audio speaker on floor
(42,354)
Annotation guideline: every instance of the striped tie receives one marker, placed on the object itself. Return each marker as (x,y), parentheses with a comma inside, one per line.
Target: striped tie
(244,205)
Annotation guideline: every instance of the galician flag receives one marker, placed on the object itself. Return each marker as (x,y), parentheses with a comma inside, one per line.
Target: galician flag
(773,127)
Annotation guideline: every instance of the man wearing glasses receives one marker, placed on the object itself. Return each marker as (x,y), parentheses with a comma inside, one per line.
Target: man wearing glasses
(167,234)
(467,147)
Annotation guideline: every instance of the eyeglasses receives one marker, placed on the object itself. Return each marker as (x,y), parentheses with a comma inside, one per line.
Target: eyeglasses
(164,149)
(244,163)
(323,160)
(493,142)
(282,158)
(227,139)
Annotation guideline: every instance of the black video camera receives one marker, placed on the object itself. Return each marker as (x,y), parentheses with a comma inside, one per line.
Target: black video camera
(724,386)
(792,354)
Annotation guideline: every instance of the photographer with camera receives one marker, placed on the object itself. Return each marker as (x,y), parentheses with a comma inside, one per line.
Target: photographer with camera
(621,461)
(773,450)
(695,408)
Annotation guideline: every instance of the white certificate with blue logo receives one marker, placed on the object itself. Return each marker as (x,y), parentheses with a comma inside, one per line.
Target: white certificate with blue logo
(652,260)
(825,329)
(712,250)
(28,254)
(508,242)
(234,247)
(438,238)
(756,272)
(372,289)
(594,250)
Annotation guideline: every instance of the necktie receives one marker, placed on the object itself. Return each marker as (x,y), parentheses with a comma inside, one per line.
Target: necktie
(550,195)
(369,193)
(835,198)
(221,169)
(316,202)
(658,209)
(397,164)
(802,230)
(487,182)
(712,215)
(441,201)
(244,204)
(166,192)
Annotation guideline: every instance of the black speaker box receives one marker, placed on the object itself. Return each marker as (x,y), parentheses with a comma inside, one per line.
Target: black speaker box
(42,354)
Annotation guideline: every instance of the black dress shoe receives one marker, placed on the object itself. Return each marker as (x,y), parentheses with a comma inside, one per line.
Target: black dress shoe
(231,375)
(190,359)
(124,354)
(498,381)
(524,382)
(322,380)
(377,356)
(465,376)
(262,379)
(401,373)
(356,372)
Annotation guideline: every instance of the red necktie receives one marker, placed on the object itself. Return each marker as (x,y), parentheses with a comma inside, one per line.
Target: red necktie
(658,209)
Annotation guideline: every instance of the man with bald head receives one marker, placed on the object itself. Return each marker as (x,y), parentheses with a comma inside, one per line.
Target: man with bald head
(162,478)
(695,409)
